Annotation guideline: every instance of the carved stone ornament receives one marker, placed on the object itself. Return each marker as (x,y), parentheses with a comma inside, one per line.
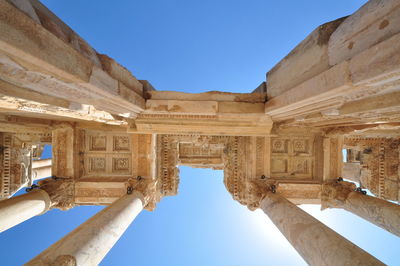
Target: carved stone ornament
(380,164)
(149,188)
(256,190)
(335,193)
(61,192)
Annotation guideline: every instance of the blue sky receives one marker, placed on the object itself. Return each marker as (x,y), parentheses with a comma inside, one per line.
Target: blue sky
(197,46)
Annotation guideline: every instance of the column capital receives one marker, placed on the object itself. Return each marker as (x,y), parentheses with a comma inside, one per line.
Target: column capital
(335,193)
(256,191)
(61,192)
(149,189)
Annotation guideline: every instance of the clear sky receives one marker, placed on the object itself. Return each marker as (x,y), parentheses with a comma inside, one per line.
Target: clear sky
(197,46)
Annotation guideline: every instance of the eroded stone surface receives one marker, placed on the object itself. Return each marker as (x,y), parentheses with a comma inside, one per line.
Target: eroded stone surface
(112,134)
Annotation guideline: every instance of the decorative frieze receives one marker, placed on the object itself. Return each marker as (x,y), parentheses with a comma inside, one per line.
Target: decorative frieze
(107,154)
(15,164)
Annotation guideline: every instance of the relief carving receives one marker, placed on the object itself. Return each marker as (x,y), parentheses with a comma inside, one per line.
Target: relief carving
(379,161)
(61,192)
(121,164)
(335,193)
(121,143)
(15,164)
(98,143)
(106,154)
(149,189)
(97,164)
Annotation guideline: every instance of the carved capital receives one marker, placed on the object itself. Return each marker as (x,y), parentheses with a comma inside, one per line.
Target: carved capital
(61,192)
(256,190)
(148,188)
(334,194)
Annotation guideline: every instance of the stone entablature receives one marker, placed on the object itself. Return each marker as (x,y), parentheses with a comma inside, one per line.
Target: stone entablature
(15,163)
(117,141)
(254,164)
(379,162)
(211,113)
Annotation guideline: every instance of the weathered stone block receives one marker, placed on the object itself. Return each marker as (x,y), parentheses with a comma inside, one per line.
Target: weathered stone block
(307,60)
(380,62)
(120,73)
(324,85)
(26,7)
(375,22)
(36,45)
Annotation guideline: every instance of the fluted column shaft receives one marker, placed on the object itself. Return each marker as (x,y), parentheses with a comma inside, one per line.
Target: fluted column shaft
(18,209)
(89,243)
(315,242)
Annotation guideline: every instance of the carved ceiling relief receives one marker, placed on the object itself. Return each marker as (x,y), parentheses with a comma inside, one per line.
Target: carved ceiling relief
(16,164)
(253,164)
(200,155)
(63,151)
(193,150)
(248,162)
(292,158)
(379,159)
(99,163)
(247,169)
(109,161)
(107,154)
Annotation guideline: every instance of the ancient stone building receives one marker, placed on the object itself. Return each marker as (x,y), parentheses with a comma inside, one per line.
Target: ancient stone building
(117,141)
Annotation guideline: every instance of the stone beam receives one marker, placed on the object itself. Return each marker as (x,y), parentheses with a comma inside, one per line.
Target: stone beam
(308,59)
(21,107)
(198,115)
(47,57)
(97,192)
(360,60)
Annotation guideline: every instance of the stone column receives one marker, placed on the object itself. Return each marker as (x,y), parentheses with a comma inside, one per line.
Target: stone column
(41,169)
(18,209)
(352,171)
(377,211)
(315,242)
(89,243)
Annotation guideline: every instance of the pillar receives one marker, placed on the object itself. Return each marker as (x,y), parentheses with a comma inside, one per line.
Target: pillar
(314,241)
(89,243)
(41,169)
(18,209)
(375,210)
(352,171)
